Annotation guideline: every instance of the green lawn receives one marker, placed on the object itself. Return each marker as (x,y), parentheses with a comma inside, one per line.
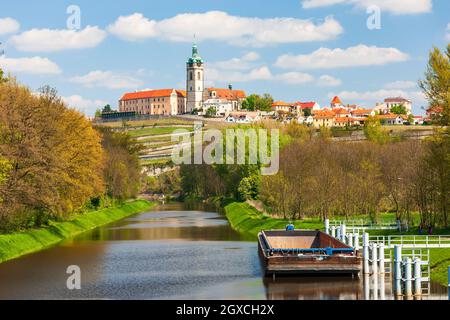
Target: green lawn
(155,131)
(246,219)
(21,243)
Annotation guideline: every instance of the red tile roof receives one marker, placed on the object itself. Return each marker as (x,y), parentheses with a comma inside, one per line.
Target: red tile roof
(323,114)
(336,100)
(396,99)
(340,111)
(152,94)
(280,104)
(361,111)
(228,94)
(305,105)
(345,120)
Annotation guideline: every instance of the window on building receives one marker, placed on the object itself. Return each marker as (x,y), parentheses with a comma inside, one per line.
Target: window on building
(199,76)
(191,76)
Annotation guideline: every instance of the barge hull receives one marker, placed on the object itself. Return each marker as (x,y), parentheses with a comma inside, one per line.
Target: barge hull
(291,263)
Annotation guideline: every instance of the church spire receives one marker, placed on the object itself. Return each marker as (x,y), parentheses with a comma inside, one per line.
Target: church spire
(195,58)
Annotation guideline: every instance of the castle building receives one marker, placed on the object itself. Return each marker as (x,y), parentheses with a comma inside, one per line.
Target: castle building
(195,82)
(165,102)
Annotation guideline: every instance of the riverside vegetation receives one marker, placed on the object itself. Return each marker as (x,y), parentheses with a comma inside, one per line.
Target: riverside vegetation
(58,172)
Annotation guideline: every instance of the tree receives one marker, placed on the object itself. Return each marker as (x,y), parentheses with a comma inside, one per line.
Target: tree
(375,132)
(107,109)
(55,155)
(122,171)
(307,112)
(211,112)
(98,113)
(250,103)
(2,77)
(399,109)
(256,102)
(436,85)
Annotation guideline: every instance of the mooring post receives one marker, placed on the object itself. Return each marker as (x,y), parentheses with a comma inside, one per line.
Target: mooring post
(327,226)
(381,258)
(374,258)
(343,233)
(382,288)
(356,241)
(333,231)
(366,286)
(398,270)
(408,277)
(375,287)
(350,240)
(366,252)
(417,277)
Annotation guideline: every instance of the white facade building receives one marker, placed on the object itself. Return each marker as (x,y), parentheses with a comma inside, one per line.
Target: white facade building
(221,106)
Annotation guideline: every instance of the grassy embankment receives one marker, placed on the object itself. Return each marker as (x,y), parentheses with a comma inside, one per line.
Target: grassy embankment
(22,243)
(247,220)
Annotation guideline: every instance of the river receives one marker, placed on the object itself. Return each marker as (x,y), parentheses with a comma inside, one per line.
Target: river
(175,251)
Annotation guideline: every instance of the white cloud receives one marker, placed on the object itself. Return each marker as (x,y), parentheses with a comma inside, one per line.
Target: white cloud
(256,74)
(220,26)
(397,7)
(8,25)
(248,68)
(48,40)
(294,78)
(357,56)
(243,63)
(401,85)
(328,81)
(107,79)
(34,65)
(133,28)
(81,104)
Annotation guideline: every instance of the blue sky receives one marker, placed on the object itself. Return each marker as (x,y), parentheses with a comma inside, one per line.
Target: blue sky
(295,50)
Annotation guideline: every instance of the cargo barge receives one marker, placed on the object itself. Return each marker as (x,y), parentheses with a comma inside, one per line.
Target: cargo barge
(295,252)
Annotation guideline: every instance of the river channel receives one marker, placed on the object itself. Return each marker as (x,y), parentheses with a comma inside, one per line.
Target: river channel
(174,251)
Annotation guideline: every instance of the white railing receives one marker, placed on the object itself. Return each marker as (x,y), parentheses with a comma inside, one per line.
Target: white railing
(362,225)
(413,241)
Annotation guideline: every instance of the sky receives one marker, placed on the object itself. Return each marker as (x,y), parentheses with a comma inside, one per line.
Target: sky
(93,52)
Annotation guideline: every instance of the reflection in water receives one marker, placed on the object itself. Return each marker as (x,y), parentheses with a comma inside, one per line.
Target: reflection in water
(175,251)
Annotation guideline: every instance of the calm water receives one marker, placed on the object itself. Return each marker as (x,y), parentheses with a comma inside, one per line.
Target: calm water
(172,252)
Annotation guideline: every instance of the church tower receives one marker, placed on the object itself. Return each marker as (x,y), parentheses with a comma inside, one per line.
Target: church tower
(195,83)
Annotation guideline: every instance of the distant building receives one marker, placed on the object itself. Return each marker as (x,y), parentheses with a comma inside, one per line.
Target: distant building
(433,113)
(389,103)
(336,103)
(392,119)
(221,107)
(243,117)
(224,100)
(323,118)
(362,113)
(282,106)
(300,107)
(418,120)
(154,102)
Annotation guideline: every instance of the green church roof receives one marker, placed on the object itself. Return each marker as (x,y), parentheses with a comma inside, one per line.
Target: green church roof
(195,56)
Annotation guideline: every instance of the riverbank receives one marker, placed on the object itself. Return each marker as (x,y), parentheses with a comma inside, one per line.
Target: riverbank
(247,220)
(18,244)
